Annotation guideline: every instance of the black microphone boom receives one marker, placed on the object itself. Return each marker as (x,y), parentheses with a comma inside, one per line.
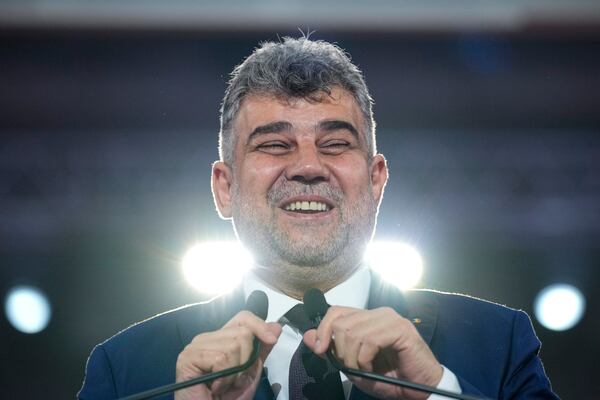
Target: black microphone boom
(315,307)
(258,304)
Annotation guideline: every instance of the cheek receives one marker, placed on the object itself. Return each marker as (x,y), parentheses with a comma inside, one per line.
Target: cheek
(257,177)
(352,177)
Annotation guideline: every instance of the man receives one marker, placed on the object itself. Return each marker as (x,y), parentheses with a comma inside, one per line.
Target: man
(301,180)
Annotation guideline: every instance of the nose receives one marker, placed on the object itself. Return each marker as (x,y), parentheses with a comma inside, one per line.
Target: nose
(307,165)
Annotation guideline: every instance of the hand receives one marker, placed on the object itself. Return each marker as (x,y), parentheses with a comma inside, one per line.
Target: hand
(228,347)
(379,341)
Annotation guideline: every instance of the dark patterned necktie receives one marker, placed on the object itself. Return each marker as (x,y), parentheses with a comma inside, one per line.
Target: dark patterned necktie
(310,377)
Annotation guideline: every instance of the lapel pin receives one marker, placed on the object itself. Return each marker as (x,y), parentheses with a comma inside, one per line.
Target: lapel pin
(416,321)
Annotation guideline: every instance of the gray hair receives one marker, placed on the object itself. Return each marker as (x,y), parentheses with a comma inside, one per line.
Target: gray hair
(293,68)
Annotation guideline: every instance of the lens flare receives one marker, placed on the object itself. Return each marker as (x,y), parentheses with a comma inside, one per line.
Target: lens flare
(398,263)
(216,267)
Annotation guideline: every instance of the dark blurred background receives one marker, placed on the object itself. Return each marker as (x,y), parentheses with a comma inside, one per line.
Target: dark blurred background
(488,114)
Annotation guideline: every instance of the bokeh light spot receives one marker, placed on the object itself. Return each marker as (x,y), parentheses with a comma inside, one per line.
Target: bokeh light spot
(27,309)
(559,307)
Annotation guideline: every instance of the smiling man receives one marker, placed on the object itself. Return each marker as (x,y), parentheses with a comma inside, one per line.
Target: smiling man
(300,178)
(303,187)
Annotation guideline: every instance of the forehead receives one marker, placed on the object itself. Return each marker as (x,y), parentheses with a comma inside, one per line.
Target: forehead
(261,109)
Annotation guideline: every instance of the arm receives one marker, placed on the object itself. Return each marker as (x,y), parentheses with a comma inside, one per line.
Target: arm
(525,377)
(98,382)
(521,375)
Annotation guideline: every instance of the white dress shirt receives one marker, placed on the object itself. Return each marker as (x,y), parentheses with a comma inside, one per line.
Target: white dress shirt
(354,292)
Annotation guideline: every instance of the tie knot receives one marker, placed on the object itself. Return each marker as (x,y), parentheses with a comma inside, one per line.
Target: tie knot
(297,318)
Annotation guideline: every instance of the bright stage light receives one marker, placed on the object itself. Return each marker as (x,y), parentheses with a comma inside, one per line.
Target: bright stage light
(216,267)
(559,307)
(27,309)
(396,262)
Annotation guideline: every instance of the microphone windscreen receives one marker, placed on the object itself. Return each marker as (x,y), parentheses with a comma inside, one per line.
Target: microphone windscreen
(258,304)
(315,305)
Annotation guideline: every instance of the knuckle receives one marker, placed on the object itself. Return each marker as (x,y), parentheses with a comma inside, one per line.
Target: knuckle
(406,325)
(363,359)
(244,315)
(387,311)
(369,342)
(182,358)
(220,358)
(349,332)
(246,333)
(198,338)
(230,346)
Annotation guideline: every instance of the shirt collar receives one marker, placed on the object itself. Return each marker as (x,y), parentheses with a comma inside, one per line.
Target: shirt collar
(353,292)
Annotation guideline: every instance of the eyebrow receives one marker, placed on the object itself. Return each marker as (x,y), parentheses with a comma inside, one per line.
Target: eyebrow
(273,127)
(284,126)
(336,125)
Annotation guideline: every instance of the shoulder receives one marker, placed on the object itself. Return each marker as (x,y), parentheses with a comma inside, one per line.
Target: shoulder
(179,324)
(468,318)
(144,354)
(458,303)
(164,325)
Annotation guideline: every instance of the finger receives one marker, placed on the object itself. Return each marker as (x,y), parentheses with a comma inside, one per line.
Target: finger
(253,373)
(239,350)
(217,351)
(366,354)
(344,345)
(349,332)
(221,385)
(310,339)
(325,329)
(257,326)
(227,341)
(236,341)
(191,364)
(244,351)
(387,332)
(266,348)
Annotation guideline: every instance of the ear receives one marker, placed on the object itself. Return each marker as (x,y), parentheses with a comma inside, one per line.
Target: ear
(221,188)
(379,176)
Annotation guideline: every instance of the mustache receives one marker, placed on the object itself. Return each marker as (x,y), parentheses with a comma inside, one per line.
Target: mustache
(285,189)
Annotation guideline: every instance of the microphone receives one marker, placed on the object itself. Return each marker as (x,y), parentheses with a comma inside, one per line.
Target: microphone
(315,307)
(258,304)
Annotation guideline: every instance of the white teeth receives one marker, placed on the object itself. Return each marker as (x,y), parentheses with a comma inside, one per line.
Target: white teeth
(306,206)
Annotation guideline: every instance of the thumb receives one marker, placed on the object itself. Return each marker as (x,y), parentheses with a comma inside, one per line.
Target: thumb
(265,348)
(310,339)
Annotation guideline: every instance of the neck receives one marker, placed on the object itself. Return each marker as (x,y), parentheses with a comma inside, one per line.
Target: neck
(294,280)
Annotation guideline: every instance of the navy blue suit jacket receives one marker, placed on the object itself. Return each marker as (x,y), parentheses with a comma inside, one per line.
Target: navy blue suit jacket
(492,349)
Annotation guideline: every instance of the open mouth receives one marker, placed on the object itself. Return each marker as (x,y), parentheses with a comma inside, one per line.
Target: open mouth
(307,207)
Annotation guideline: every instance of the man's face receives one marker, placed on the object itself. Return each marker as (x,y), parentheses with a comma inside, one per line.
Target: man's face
(303,190)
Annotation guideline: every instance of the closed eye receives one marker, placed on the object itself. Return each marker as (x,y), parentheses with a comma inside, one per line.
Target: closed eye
(275,147)
(334,146)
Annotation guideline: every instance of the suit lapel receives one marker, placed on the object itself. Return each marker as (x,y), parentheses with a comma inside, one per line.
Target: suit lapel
(209,316)
(423,312)
(415,305)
